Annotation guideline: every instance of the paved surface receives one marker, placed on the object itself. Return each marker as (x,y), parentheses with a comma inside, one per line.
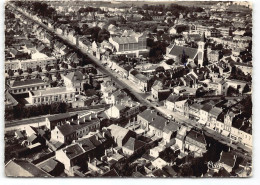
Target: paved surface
(16,124)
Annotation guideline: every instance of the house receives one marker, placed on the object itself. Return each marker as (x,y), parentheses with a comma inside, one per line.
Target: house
(195,142)
(213,117)
(75,80)
(23,168)
(60,119)
(145,118)
(171,100)
(159,163)
(71,156)
(126,109)
(204,113)
(52,167)
(120,135)
(143,83)
(170,132)
(75,129)
(133,146)
(157,86)
(227,160)
(155,152)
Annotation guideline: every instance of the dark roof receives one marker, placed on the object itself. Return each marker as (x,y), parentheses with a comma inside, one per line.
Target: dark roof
(73,150)
(86,144)
(215,111)
(194,135)
(159,122)
(169,170)
(228,158)
(173,98)
(23,168)
(179,50)
(160,173)
(134,144)
(111,173)
(74,76)
(148,115)
(171,126)
(49,165)
(27,82)
(207,107)
(60,116)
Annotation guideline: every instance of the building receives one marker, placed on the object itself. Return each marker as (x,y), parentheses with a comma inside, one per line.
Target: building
(142,82)
(20,87)
(227,160)
(71,156)
(75,129)
(126,109)
(23,168)
(58,120)
(75,81)
(195,142)
(204,113)
(133,146)
(132,44)
(55,94)
(120,135)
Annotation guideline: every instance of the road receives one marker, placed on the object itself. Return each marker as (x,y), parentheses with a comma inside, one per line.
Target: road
(11,125)
(132,88)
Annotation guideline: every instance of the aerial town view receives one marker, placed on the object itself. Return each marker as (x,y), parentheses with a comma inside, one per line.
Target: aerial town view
(128,89)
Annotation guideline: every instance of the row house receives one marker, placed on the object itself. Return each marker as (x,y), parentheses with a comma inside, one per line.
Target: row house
(75,129)
(55,94)
(57,120)
(195,143)
(123,110)
(20,87)
(143,83)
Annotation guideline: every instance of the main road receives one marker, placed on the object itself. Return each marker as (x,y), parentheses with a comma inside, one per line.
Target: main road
(119,82)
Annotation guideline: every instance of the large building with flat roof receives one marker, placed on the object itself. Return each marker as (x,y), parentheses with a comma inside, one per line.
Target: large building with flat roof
(57,94)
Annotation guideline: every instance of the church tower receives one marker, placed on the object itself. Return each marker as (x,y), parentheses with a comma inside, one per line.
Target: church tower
(201,50)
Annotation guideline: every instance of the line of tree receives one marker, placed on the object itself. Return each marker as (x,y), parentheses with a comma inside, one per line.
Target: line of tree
(20,111)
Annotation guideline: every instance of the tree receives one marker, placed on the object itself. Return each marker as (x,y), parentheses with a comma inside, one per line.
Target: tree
(39,69)
(47,67)
(169,61)
(159,69)
(10,72)
(57,67)
(29,70)
(103,34)
(20,72)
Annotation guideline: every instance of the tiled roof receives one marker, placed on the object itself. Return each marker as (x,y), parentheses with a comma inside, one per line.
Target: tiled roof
(59,116)
(73,150)
(194,135)
(215,111)
(207,107)
(27,82)
(23,168)
(227,158)
(173,98)
(133,144)
(178,51)
(75,76)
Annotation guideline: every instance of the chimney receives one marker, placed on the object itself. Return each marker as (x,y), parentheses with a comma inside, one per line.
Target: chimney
(78,122)
(84,119)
